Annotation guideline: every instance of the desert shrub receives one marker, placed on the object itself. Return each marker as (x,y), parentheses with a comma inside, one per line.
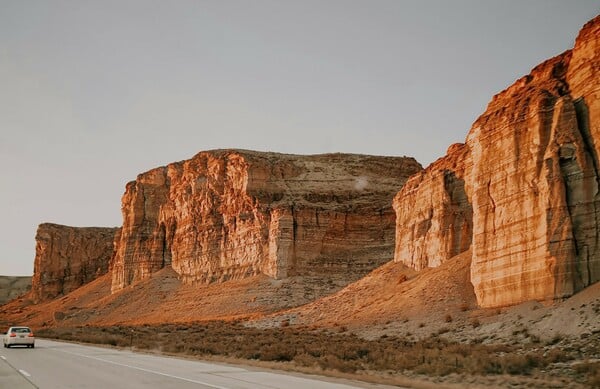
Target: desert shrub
(475,323)
(303,359)
(327,349)
(334,363)
(146,344)
(280,353)
(461,349)
(557,355)
(490,366)
(448,318)
(590,372)
(520,364)
(436,367)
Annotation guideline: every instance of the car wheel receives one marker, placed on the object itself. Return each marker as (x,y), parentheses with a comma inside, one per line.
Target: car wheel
(8,346)
(33,346)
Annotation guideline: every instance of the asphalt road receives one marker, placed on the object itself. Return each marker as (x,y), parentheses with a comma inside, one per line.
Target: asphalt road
(56,365)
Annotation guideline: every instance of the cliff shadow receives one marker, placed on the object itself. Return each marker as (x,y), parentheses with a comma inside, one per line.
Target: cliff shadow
(459,215)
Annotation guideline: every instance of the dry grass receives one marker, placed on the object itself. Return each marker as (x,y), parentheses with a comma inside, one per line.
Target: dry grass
(332,351)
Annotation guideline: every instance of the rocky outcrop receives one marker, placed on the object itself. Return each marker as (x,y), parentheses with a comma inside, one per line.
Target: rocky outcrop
(230,214)
(434,215)
(522,191)
(12,287)
(68,257)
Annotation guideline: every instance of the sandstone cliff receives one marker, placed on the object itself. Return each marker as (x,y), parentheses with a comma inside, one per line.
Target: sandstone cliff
(522,191)
(229,214)
(434,216)
(68,257)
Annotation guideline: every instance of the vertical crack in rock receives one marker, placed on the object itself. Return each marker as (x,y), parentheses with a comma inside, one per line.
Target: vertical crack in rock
(583,124)
(583,254)
(573,175)
(492,211)
(459,216)
(166,249)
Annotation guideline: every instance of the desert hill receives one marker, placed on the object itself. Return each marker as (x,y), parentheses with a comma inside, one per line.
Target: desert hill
(13,286)
(164,298)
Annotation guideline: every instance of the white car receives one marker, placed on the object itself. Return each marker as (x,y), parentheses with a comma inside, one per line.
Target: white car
(19,335)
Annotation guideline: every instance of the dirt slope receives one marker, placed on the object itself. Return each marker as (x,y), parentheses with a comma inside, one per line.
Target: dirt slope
(163,298)
(392,298)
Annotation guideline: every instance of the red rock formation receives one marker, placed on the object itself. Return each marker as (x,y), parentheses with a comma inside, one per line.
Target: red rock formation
(434,216)
(530,173)
(68,257)
(229,214)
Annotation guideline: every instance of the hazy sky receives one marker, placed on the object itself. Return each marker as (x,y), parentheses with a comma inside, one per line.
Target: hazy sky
(94,92)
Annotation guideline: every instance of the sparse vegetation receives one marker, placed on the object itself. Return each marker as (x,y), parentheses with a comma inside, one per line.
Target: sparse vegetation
(330,350)
(591,372)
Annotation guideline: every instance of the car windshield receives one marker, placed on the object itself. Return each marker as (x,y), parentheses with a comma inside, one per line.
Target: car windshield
(21,330)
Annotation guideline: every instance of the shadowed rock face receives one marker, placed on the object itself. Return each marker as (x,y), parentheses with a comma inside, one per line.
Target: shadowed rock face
(434,215)
(229,214)
(522,191)
(68,257)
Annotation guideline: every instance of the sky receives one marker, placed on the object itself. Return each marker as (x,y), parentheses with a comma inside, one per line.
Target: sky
(93,93)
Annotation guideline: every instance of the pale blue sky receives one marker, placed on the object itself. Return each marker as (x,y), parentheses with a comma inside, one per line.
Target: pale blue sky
(94,92)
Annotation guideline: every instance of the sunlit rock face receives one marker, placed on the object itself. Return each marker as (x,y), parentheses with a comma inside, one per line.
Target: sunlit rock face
(68,257)
(230,214)
(525,187)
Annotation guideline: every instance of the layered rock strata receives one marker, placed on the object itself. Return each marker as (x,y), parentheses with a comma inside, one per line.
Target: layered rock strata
(522,191)
(230,214)
(68,257)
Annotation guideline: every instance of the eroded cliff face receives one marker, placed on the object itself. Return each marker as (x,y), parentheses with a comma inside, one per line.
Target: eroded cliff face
(230,214)
(434,215)
(68,257)
(525,187)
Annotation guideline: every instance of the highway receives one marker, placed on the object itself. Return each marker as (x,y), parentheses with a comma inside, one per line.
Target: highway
(57,365)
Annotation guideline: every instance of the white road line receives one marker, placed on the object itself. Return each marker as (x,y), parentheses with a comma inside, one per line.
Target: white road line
(24,373)
(144,370)
(3,357)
